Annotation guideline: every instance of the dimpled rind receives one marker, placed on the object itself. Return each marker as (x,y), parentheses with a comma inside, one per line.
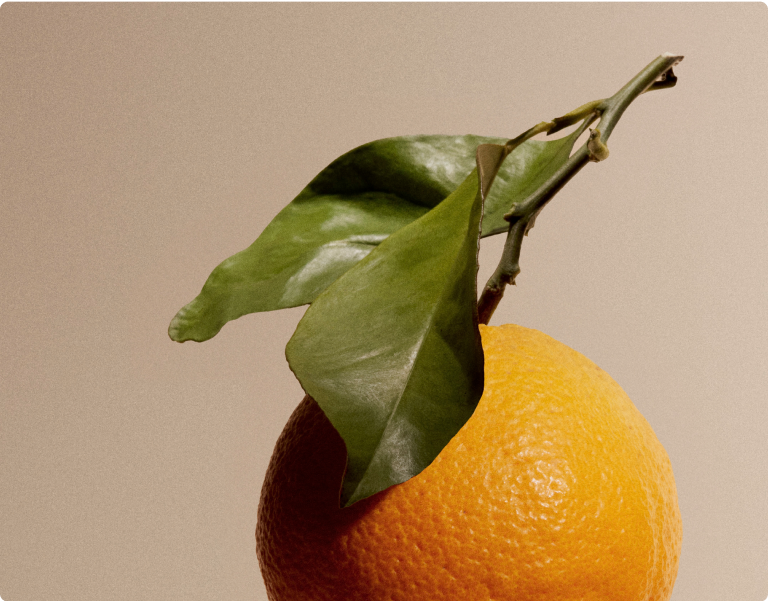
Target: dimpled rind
(556,489)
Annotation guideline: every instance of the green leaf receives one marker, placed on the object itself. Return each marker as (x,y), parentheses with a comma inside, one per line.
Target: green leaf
(346,211)
(391,351)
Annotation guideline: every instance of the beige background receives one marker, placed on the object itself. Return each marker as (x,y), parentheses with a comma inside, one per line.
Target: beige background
(142,144)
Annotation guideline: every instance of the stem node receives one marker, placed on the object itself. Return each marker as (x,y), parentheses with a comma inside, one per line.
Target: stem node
(596,150)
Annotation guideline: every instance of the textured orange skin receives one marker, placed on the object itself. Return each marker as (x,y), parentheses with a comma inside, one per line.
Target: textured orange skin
(556,489)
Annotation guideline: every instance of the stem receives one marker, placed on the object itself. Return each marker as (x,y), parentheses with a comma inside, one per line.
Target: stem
(493,293)
(657,75)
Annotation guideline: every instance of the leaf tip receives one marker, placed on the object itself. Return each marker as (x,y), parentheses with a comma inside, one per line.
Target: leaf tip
(175,329)
(489,159)
(187,325)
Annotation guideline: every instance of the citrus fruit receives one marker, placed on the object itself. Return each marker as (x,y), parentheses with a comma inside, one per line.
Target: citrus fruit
(556,489)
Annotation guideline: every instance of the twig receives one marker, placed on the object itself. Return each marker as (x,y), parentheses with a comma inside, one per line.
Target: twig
(657,75)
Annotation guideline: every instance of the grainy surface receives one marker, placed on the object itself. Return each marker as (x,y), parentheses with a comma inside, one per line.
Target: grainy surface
(556,488)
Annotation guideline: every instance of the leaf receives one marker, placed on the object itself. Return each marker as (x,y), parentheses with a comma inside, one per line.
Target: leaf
(391,351)
(345,212)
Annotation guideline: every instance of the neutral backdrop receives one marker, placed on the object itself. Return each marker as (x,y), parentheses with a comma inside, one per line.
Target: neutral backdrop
(142,144)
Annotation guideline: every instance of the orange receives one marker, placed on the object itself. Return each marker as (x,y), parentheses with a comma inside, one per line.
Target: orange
(556,489)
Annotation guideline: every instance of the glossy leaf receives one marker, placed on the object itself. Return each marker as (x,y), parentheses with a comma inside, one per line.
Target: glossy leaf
(346,211)
(391,351)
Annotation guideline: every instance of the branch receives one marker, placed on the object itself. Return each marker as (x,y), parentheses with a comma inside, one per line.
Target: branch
(657,75)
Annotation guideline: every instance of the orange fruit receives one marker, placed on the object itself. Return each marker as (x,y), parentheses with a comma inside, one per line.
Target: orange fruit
(556,489)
